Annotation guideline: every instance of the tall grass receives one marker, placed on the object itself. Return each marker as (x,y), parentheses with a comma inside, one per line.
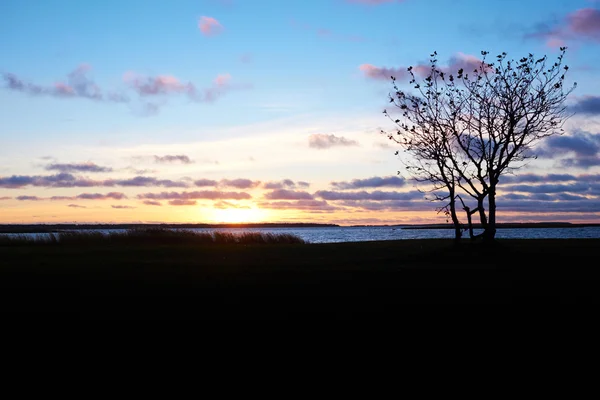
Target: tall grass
(149,236)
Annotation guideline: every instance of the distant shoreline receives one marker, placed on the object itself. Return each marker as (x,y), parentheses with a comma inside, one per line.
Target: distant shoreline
(47,228)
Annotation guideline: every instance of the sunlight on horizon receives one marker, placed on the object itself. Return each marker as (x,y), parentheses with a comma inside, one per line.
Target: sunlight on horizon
(238,215)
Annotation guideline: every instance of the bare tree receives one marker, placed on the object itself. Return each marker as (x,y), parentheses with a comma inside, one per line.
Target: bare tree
(464,130)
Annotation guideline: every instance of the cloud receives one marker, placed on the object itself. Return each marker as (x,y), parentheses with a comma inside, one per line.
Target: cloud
(76,206)
(64,180)
(78,167)
(203,194)
(374,182)
(284,194)
(144,181)
(157,85)
(578,187)
(77,85)
(57,180)
(173,159)
(239,183)
(122,207)
(375,195)
(5,198)
(306,205)
(457,61)
(152,203)
(371,71)
(100,196)
(589,105)
(223,205)
(534,178)
(28,198)
(179,202)
(584,148)
(205,182)
(581,24)
(83,196)
(286,183)
(541,206)
(163,85)
(209,26)
(323,141)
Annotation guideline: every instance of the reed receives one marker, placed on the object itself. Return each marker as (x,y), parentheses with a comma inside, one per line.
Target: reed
(155,236)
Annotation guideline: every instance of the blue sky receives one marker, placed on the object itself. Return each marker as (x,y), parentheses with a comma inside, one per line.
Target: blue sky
(261,90)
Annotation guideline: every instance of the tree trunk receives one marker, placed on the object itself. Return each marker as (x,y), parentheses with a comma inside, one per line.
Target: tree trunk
(490,231)
(455,221)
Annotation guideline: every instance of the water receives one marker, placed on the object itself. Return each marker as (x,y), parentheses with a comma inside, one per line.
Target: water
(360,234)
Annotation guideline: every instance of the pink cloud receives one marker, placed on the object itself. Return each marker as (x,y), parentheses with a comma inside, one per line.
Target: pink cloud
(374,72)
(209,26)
(76,85)
(222,79)
(154,85)
(580,24)
(179,202)
(585,22)
(459,60)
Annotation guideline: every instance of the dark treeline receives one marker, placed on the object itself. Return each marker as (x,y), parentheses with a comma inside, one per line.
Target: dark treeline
(44,228)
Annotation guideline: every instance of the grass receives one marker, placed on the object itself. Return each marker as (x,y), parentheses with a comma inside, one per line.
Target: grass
(160,277)
(148,236)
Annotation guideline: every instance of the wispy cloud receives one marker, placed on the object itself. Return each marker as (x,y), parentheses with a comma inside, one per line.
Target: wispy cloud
(157,88)
(152,203)
(164,85)
(181,202)
(582,147)
(456,62)
(65,180)
(239,183)
(375,195)
(75,206)
(304,205)
(123,207)
(581,24)
(78,167)
(588,105)
(181,158)
(285,184)
(76,85)
(209,26)
(285,194)
(83,196)
(197,195)
(205,183)
(374,182)
(323,141)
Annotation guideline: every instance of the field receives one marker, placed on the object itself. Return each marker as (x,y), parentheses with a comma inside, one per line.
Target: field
(255,280)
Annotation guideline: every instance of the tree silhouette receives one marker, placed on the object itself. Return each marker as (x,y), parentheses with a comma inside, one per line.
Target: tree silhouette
(464,130)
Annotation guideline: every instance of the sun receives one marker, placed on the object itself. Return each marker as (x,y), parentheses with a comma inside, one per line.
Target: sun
(239,215)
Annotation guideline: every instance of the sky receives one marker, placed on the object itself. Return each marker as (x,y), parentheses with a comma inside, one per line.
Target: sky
(207,111)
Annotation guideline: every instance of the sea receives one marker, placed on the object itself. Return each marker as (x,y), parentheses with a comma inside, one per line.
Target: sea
(375,233)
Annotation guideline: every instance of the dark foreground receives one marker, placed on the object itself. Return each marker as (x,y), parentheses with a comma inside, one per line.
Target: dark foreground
(291,281)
